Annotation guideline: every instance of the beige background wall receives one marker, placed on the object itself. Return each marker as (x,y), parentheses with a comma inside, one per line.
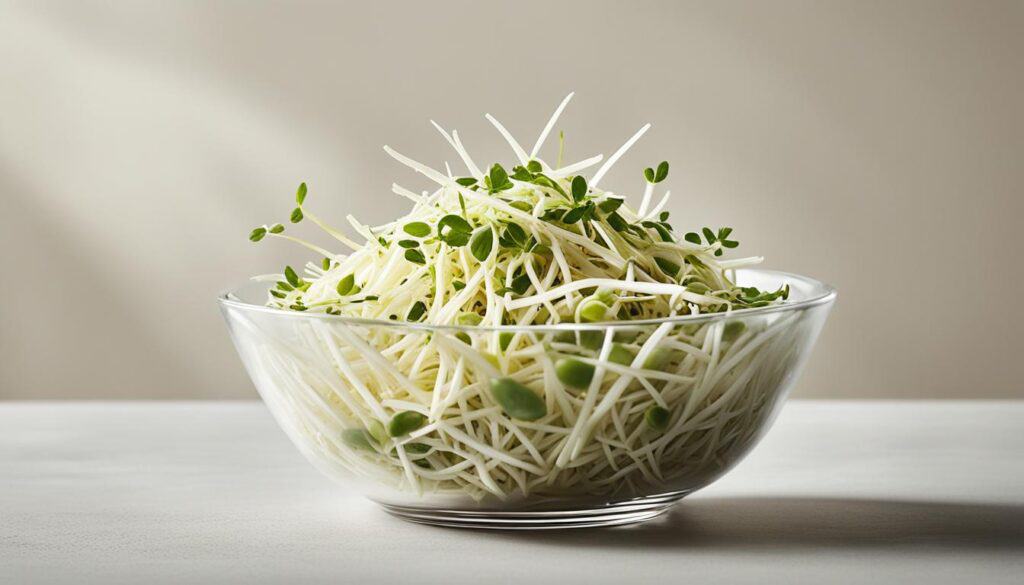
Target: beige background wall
(877,146)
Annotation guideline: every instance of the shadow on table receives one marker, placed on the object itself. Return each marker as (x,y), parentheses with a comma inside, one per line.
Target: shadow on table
(813,523)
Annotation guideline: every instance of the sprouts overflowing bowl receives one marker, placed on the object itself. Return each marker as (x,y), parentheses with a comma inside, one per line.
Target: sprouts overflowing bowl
(524,348)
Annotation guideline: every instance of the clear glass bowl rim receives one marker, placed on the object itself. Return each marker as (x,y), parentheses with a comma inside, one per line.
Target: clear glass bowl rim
(820,294)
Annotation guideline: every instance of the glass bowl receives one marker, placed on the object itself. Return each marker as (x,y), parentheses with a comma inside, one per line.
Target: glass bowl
(539,426)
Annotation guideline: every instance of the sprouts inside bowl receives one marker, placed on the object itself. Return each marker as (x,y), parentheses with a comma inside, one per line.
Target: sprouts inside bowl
(524,348)
(620,421)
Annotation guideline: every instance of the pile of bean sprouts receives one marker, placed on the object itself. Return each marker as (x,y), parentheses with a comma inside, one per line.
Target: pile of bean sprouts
(485,343)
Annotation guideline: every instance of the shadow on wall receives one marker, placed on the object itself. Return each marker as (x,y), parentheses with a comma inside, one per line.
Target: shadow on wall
(753,523)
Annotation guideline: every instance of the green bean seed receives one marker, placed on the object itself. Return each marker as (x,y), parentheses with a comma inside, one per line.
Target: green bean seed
(657,417)
(405,422)
(517,400)
(377,431)
(357,439)
(659,358)
(491,359)
(732,330)
(346,284)
(417,448)
(574,373)
(621,354)
(504,339)
(469,319)
(592,339)
(605,295)
(564,337)
(593,310)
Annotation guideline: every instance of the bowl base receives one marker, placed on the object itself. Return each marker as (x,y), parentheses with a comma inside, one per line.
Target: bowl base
(619,514)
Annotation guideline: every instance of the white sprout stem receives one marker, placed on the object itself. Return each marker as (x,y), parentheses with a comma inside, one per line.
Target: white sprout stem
(646,200)
(516,148)
(453,140)
(615,157)
(399,190)
(657,208)
(551,124)
(576,167)
(656,288)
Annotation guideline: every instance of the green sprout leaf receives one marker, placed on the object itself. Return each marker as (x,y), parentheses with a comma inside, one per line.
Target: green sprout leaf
(723,235)
(692,237)
(547,182)
(553,214)
(346,284)
(579,188)
(521,284)
(454,230)
(618,224)
(523,174)
(609,205)
(258,234)
(276,228)
(466,181)
(408,243)
(663,232)
(574,215)
(588,211)
(296,216)
(513,237)
(292,278)
(417,229)
(534,166)
(649,174)
(415,256)
(416,312)
(497,179)
(667,266)
(481,243)
(300,194)
(662,172)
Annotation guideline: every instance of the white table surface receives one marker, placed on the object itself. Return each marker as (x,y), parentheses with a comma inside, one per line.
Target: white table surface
(191,492)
